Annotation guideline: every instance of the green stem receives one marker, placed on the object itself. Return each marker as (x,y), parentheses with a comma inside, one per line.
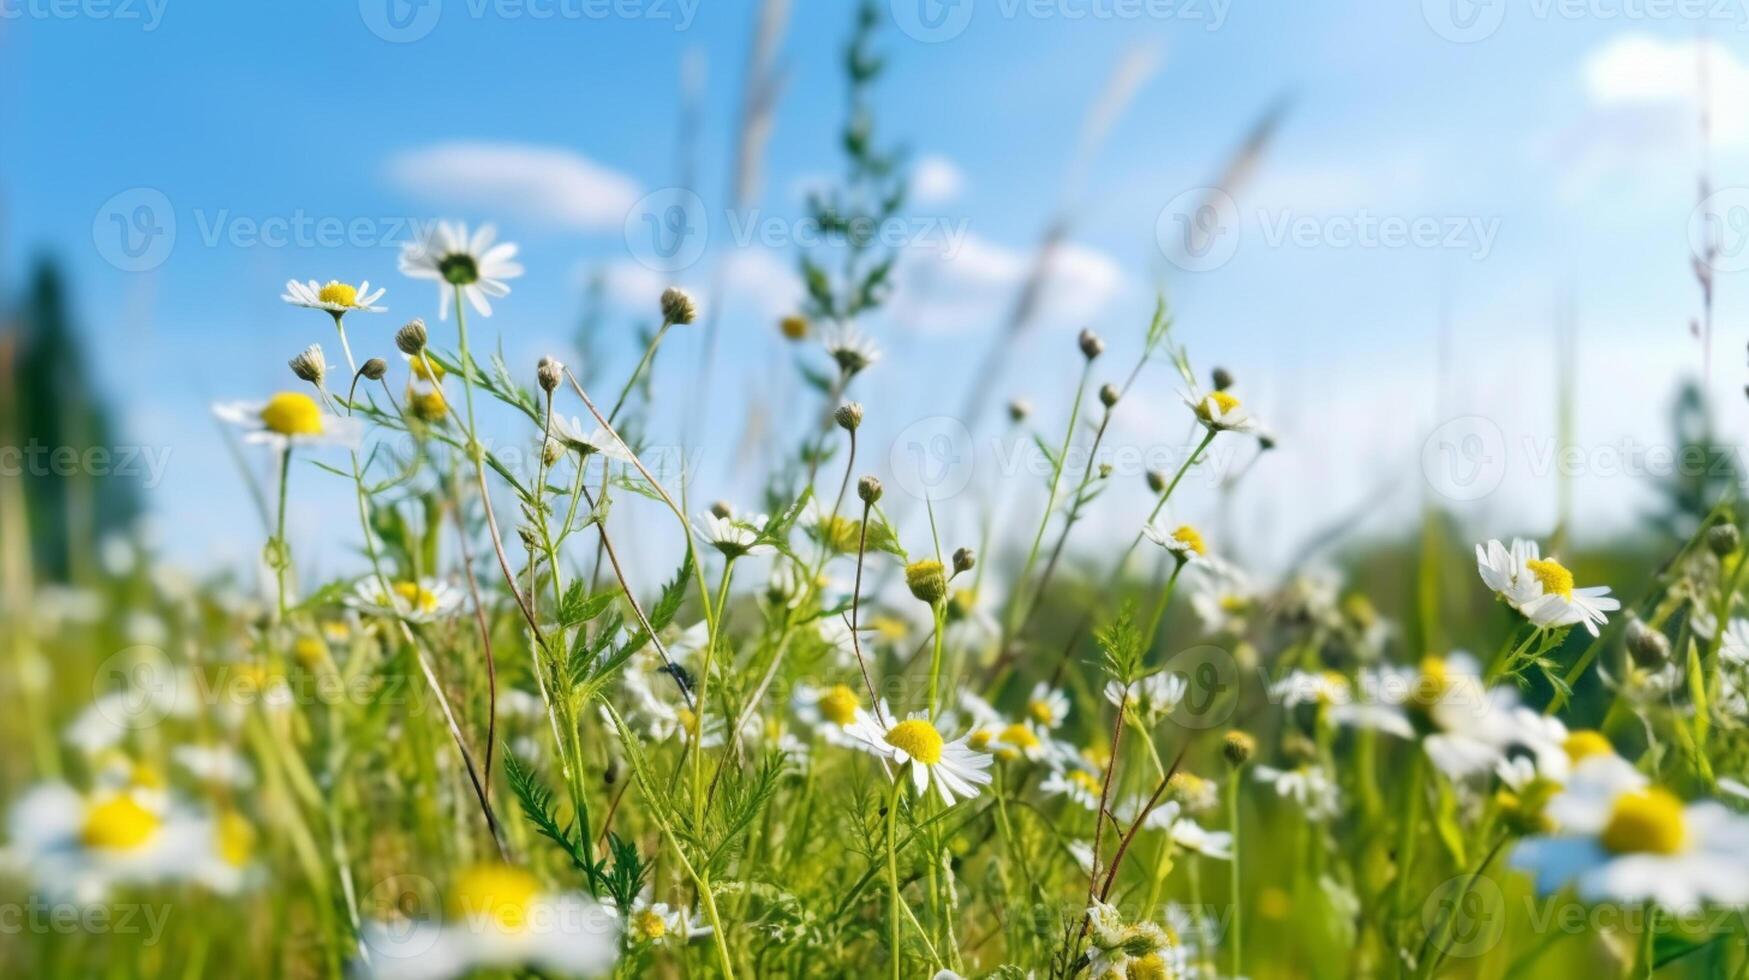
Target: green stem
(1238,949)
(282,548)
(893,873)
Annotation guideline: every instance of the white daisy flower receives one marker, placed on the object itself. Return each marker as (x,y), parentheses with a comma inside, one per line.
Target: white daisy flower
(1307,785)
(78,847)
(215,765)
(290,418)
(853,352)
(1503,570)
(1079,784)
(734,536)
(1466,727)
(1017,740)
(1734,648)
(447,255)
(337,298)
(1542,588)
(657,923)
(1222,597)
(956,769)
(829,711)
(1047,705)
(1149,698)
(424,601)
(499,917)
(1184,542)
(1324,687)
(1189,834)
(1220,411)
(1621,839)
(570,433)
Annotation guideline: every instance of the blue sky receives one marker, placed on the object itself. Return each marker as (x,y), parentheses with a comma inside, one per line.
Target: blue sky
(1552,162)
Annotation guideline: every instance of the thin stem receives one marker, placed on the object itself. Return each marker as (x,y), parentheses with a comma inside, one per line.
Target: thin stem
(893,875)
(282,548)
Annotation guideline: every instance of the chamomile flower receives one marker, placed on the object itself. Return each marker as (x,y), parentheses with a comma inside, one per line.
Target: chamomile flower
(829,711)
(1308,785)
(570,433)
(1504,570)
(336,298)
(1183,542)
(1149,698)
(498,917)
(424,601)
(853,352)
(1079,784)
(449,256)
(657,923)
(1324,687)
(1620,838)
(1222,597)
(215,765)
(1220,411)
(1187,833)
(1019,740)
(1047,705)
(734,536)
(290,418)
(1116,951)
(956,769)
(1542,588)
(79,847)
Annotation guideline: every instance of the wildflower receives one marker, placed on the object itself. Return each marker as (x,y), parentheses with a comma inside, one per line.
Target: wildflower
(424,601)
(411,338)
(1079,784)
(336,298)
(309,365)
(848,416)
(1723,540)
(1090,344)
(1108,395)
(427,406)
(215,765)
(1307,785)
(656,923)
(569,432)
(1238,747)
(78,847)
(289,418)
(736,537)
(498,917)
(852,352)
(927,580)
(830,711)
(1184,542)
(1187,833)
(374,369)
(1541,588)
(1650,648)
(549,372)
(1221,378)
(474,265)
(1018,410)
(1149,698)
(868,490)
(1047,705)
(956,769)
(1297,687)
(1143,951)
(793,327)
(1220,411)
(963,560)
(1619,838)
(1222,597)
(677,306)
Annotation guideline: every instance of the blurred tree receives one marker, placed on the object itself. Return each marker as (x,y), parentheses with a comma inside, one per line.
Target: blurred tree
(55,414)
(1702,471)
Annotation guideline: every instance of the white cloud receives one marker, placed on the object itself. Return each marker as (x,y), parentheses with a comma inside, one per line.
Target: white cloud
(973,285)
(936,180)
(545,184)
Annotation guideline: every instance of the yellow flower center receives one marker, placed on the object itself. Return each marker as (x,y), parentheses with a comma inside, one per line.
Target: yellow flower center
(1019,737)
(1224,403)
(1191,538)
(1585,743)
(235,839)
(890,628)
(839,705)
(420,370)
(1042,712)
(147,776)
(648,926)
(1149,967)
(119,823)
(417,596)
(500,891)
(292,413)
(793,327)
(1233,603)
(427,406)
(1434,681)
(338,293)
(1334,686)
(918,739)
(688,721)
(1646,821)
(1085,780)
(980,739)
(1553,575)
(309,650)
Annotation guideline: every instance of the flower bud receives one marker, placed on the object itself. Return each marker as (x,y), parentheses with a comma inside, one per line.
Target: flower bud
(1724,539)
(927,580)
(1091,345)
(1156,481)
(310,365)
(1238,747)
(1649,647)
(963,560)
(411,338)
(793,327)
(1108,395)
(721,510)
(869,489)
(677,306)
(374,369)
(550,372)
(848,416)
(1222,378)
(1019,409)
(551,451)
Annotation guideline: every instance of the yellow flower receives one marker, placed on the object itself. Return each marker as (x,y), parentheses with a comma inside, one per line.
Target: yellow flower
(292,413)
(119,823)
(500,891)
